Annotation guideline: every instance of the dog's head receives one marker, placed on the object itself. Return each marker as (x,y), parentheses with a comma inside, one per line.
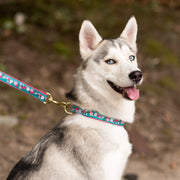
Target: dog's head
(110,65)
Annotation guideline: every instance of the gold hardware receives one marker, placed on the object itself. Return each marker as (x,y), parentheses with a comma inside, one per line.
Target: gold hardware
(65,105)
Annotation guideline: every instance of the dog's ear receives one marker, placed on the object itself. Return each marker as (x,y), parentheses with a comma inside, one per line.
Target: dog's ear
(130,32)
(89,38)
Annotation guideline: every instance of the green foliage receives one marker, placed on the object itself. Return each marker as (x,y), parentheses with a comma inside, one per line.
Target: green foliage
(8,24)
(2,68)
(168,83)
(155,5)
(153,88)
(62,49)
(21,29)
(156,49)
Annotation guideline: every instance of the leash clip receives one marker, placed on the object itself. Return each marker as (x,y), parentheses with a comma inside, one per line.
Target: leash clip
(65,105)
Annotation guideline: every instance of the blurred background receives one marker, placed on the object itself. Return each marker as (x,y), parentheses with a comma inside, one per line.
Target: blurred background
(39,45)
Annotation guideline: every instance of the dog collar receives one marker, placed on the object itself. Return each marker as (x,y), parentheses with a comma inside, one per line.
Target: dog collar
(96,115)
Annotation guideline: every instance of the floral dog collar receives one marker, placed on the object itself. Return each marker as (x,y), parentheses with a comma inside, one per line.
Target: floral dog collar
(96,115)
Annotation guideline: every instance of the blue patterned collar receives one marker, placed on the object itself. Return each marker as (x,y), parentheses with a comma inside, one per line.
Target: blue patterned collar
(96,115)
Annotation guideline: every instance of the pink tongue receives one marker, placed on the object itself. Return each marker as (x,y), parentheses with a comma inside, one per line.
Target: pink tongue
(132,93)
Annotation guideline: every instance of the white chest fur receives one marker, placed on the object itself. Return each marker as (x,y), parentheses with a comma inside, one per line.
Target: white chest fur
(114,161)
(115,145)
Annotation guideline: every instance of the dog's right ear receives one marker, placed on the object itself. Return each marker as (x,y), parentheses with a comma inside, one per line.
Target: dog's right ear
(89,38)
(130,32)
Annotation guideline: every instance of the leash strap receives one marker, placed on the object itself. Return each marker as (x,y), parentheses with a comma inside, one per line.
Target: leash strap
(15,83)
(96,115)
(46,98)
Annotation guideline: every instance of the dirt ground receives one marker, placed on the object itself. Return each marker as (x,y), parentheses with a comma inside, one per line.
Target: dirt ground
(37,58)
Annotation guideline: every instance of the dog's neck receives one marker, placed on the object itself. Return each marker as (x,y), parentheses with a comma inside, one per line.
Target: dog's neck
(123,110)
(85,96)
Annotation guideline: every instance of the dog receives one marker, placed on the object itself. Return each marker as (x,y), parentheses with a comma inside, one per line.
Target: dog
(81,147)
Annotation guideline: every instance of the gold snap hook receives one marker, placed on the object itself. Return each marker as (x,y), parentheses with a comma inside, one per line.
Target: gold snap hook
(65,105)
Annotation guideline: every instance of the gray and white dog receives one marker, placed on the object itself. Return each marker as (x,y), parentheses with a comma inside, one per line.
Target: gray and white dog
(79,147)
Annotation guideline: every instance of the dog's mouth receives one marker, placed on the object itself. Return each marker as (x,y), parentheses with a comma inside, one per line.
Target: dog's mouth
(130,93)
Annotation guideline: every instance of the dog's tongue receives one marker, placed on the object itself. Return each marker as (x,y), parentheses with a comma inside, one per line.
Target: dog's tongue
(132,93)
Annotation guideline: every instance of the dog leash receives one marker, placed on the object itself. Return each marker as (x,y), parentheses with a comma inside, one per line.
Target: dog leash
(44,97)
(47,98)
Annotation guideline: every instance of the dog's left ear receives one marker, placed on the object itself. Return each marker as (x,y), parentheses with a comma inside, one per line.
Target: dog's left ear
(130,32)
(89,38)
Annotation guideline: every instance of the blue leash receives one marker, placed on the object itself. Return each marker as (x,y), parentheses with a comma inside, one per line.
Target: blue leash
(15,83)
(47,98)
(40,95)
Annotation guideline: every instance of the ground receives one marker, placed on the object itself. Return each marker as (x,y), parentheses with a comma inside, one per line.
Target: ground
(46,57)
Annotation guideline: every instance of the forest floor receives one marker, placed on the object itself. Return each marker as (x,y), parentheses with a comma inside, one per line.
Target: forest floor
(47,59)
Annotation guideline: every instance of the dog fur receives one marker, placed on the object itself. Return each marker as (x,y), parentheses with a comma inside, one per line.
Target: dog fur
(80,148)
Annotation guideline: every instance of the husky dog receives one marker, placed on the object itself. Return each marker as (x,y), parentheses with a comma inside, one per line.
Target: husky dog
(79,147)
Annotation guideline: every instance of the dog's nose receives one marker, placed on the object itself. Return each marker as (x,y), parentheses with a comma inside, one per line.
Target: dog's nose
(135,76)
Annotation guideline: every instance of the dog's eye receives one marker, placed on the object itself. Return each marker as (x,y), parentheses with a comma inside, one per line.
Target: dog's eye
(132,58)
(110,61)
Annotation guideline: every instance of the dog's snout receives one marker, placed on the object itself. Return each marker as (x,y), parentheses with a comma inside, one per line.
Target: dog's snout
(135,76)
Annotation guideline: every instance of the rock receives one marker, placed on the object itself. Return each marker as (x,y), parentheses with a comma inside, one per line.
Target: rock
(131,176)
(9,120)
